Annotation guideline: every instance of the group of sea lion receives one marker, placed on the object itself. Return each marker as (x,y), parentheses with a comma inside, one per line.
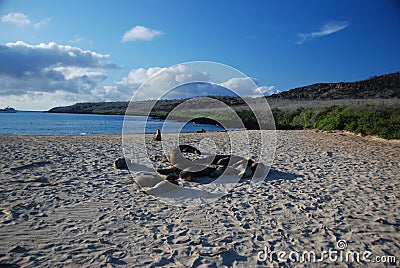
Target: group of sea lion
(211,166)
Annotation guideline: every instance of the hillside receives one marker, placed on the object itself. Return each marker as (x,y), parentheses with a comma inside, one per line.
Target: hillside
(137,108)
(93,108)
(378,87)
(321,94)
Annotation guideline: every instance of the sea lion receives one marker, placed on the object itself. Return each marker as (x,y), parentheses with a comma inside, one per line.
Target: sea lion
(226,160)
(245,173)
(172,178)
(178,160)
(162,158)
(168,170)
(260,170)
(148,179)
(216,159)
(188,174)
(217,172)
(244,168)
(161,187)
(222,170)
(186,148)
(157,136)
(121,163)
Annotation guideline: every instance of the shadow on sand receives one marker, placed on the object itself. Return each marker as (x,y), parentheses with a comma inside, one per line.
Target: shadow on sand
(281,175)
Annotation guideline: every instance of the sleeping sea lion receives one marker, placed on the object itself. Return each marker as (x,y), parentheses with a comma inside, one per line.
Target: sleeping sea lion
(168,170)
(161,187)
(188,174)
(222,170)
(244,168)
(178,160)
(148,179)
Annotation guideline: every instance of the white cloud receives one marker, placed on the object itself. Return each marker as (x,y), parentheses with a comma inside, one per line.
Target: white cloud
(21,19)
(80,40)
(138,76)
(16,18)
(27,69)
(242,85)
(167,78)
(140,33)
(40,101)
(327,29)
(42,23)
(266,90)
(76,40)
(248,87)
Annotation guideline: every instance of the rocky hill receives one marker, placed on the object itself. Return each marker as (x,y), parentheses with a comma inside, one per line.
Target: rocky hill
(378,87)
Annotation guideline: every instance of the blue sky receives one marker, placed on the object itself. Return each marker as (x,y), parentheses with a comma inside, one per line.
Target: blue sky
(61,52)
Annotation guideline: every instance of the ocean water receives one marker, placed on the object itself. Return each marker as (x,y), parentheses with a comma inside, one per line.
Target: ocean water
(39,123)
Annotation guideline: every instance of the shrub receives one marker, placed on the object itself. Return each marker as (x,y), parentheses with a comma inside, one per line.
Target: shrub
(366,120)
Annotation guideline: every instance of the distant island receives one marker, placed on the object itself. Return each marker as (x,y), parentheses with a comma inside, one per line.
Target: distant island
(367,107)
(8,109)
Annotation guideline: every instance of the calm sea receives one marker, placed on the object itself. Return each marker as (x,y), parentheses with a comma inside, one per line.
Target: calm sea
(40,123)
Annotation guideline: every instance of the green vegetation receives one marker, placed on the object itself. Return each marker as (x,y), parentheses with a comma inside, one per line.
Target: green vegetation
(383,121)
(111,112)
(248,118)
(206,117)
(365,120)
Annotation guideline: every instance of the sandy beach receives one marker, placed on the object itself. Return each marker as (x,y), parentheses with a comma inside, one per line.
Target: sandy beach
(63,204)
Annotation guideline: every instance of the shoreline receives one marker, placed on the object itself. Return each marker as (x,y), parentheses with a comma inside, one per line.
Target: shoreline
(339,132)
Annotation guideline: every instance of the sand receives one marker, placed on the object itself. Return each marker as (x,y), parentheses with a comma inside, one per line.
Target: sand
(62,204)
